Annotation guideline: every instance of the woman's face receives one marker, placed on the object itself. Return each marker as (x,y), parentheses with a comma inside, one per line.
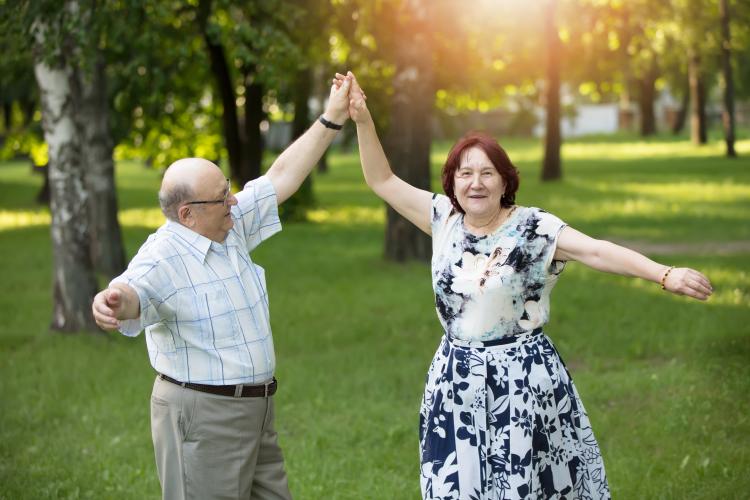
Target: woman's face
(477,184)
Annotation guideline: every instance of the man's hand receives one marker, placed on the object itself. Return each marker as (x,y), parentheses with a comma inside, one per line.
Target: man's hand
(357,99)
(114,304)
(295,163)
(337,109)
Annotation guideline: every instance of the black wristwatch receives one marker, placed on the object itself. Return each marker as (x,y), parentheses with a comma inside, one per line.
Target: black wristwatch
(328,124)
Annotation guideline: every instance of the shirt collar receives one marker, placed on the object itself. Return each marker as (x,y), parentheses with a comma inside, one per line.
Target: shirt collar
(196,243)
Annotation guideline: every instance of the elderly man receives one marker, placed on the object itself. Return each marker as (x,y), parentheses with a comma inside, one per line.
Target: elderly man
(203,304)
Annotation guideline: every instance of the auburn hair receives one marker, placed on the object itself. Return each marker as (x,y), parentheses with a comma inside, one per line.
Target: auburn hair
(497,156)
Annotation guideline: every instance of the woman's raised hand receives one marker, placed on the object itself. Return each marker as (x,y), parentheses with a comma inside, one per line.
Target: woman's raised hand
(357,99)
(686,281)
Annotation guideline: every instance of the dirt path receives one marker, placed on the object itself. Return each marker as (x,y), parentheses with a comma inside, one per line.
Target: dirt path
(701,248)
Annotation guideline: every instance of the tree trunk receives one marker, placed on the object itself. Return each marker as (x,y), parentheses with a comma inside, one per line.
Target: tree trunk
(408,142)
(28,106)
(106,239)
(43,196)
(254,115)
(697,100)
(223,79)
(294,207)
(727,115)
(320,89)
(74,281)
(646,98)
(625,117)
(679,121)
(551,167)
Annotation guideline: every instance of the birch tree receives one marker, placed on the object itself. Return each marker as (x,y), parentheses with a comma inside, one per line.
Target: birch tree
(74,283)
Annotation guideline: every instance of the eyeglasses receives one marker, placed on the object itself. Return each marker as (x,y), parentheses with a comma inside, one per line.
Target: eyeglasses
(225,200)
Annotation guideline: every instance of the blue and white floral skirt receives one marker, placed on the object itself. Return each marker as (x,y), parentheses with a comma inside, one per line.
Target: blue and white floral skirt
(505,422)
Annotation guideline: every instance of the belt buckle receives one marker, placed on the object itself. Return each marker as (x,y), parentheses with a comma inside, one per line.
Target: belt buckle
(238,390)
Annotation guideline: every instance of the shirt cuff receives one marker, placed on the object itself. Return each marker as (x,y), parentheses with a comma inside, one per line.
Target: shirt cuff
(132,327)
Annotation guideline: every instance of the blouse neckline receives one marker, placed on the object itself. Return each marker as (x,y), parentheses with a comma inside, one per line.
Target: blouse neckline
(499,228)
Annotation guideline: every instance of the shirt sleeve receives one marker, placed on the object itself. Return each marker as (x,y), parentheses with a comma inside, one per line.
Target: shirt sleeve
(256,215)
(546,231)
(442,209)
(148,277)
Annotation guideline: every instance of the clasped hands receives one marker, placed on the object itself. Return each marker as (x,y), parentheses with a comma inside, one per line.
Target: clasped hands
(347,99)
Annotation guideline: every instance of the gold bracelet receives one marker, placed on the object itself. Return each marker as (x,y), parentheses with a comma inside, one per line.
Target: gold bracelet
(664,278)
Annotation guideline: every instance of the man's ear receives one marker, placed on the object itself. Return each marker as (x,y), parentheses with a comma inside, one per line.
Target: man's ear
(185,216)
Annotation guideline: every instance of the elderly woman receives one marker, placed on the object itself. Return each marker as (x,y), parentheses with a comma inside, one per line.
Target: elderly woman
(501,417)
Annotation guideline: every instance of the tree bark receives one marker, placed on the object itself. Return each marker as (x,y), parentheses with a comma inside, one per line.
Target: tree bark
(646,98)
(408,141)
(43,196)
(320,90)
(294,207)
(223,80)
(28,106)
(698,132)
(551,166)
(97,148)
(727,115)
(254,115)
(679,122)
(625,112)
(74,281)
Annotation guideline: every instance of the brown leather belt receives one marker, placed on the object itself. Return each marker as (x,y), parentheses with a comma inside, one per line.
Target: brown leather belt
(236,391)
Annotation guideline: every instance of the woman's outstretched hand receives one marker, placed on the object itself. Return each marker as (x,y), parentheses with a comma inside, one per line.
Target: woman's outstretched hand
(357,99)
(686,281)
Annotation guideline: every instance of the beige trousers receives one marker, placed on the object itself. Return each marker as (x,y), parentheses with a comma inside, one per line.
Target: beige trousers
(215,447)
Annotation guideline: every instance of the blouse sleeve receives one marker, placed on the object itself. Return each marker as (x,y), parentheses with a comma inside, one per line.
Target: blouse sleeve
(442,209)
(544,230)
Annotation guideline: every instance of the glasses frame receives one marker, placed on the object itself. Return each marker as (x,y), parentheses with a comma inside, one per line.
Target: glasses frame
(224,201)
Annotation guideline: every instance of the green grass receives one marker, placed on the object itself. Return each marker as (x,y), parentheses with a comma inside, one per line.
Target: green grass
(664,379)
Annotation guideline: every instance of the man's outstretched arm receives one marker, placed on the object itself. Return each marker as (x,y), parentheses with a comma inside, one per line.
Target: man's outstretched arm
(292,166)
(118,302)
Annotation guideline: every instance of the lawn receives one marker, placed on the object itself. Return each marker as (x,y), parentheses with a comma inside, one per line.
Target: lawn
(664,379)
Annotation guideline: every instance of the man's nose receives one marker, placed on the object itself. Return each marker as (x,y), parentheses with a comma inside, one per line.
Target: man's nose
(232,200)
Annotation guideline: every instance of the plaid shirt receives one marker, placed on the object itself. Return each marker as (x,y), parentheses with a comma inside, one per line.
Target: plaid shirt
(204,305)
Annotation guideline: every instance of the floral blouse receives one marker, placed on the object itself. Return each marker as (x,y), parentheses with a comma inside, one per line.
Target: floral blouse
(488,287)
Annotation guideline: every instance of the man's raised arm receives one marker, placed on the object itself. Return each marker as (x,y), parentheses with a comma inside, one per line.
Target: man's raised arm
(297,161)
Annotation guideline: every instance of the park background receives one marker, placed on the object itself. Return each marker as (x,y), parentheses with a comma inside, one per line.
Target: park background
(629,119)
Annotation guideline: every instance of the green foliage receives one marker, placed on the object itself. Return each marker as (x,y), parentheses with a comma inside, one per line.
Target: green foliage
(662,377)
(487,56)
(25,142)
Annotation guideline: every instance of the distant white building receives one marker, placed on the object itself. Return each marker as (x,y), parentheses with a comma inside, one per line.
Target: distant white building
(589,119)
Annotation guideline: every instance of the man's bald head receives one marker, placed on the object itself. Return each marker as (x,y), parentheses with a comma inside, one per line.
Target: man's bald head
(181,181)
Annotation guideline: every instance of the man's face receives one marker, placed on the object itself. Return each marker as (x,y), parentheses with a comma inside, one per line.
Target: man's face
(211,217)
